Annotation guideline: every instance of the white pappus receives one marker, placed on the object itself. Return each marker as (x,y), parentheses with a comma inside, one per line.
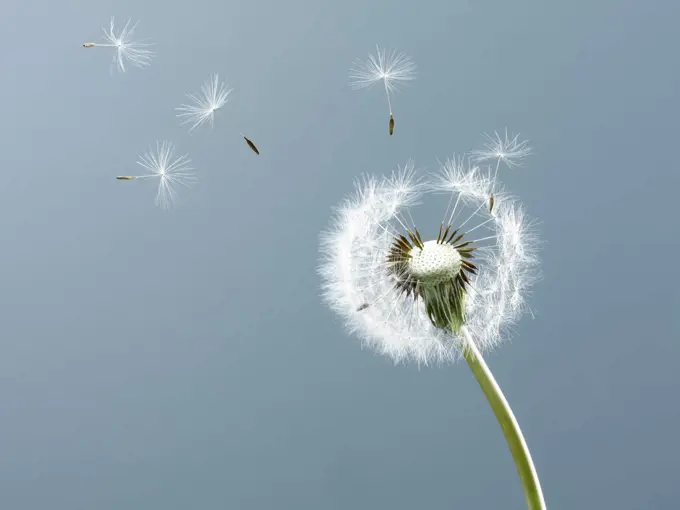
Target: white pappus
(388,284)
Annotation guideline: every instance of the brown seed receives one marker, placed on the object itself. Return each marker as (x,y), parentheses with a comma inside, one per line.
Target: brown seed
(454,241)
(445,234)
(89,45)
(391,124)
(420,239)
(492,200)
(451,239)
(404,242)
(125,177)
(413,237)
(363,307)
(469,264)
(251,145)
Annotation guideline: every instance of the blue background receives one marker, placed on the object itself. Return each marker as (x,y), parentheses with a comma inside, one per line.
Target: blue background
(183,359)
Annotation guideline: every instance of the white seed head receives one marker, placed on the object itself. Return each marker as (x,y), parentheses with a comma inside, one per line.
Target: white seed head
(435,263)
(387,308)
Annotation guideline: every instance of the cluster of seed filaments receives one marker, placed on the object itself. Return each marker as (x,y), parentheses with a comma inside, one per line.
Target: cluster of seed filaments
(434,271)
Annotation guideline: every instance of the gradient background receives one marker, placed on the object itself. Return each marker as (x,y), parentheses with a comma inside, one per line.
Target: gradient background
(183,359)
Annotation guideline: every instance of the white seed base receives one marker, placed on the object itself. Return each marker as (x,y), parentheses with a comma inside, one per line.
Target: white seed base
(435,263)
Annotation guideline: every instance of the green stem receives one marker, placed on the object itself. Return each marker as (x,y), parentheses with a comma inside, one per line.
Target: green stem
(508,422)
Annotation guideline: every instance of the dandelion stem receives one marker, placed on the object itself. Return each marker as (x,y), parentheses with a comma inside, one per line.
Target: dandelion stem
(389,102)
(495,174)
(508,422)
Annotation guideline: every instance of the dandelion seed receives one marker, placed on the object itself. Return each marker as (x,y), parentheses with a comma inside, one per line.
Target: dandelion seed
(452,296)
(509,150)
(170,172)
(212,97)
(127,50)
(390,68)
(250,144)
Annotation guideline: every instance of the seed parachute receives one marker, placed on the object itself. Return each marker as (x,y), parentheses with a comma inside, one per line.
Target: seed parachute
(390,68)
(127,50)
(169,170)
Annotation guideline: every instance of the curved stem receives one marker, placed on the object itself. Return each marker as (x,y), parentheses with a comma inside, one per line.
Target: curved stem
(508,422)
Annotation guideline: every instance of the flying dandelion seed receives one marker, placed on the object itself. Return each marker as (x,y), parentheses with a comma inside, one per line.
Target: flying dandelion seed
(213,96)
(450,297)
(128,50)
(168,170)
(389,67)
(509,150)
(251,144)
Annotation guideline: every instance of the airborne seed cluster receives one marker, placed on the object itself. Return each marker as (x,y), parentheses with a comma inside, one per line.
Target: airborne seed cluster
(170,172)
(389,68)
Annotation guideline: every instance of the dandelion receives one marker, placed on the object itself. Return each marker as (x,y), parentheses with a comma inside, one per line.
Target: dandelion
(212,97)
(390,68)
(127,50)
(452,296)
(509,150)
(169,171)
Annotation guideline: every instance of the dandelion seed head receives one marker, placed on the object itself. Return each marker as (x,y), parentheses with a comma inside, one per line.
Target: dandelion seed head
(213,96)
(399,293)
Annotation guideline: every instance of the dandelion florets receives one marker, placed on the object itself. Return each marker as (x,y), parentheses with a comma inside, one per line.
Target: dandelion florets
(407,297)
